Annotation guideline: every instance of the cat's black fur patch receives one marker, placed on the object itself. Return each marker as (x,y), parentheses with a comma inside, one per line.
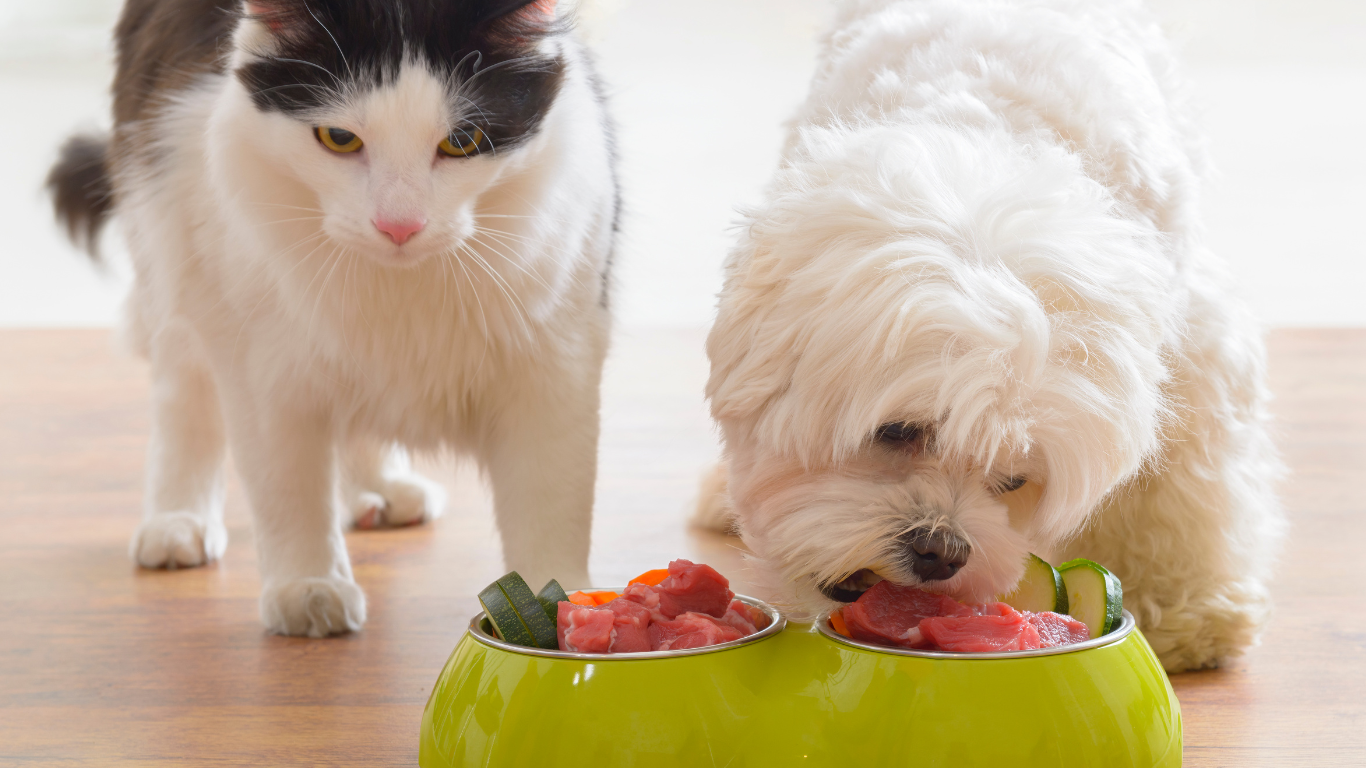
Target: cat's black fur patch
(485,49)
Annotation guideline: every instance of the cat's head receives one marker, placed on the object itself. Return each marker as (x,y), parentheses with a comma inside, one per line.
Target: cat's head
(379,123)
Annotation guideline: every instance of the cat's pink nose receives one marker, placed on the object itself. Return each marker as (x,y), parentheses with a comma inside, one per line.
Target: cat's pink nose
(399,230)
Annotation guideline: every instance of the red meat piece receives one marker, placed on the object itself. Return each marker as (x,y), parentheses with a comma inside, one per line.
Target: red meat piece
(632,626)
(745,617)
(886,613)
(646,597)
(691,630)
(982,633)
(1056,629)
(584,629)
(690,587)
(620,626)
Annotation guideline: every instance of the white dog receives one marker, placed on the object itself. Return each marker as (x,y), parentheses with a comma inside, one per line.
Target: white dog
(973,319)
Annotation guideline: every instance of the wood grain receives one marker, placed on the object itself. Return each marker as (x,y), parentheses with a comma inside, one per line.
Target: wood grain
(103,664)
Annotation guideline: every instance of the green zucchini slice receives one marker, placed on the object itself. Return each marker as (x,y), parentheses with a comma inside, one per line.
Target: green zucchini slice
(1041,589)
(530,610)
(551,595)
(1094,595)
(506,623)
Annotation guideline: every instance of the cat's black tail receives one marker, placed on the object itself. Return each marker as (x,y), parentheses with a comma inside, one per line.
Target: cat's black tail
(82,190)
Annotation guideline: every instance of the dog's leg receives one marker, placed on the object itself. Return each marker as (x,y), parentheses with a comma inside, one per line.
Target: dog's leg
(714,511)
(1194,542)
(381,489)
(284,454)
(542,460)
(182,522)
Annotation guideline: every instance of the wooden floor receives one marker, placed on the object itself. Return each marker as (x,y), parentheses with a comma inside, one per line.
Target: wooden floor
(102,664)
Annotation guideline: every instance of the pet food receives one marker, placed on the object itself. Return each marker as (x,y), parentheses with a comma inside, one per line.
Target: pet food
(909,617)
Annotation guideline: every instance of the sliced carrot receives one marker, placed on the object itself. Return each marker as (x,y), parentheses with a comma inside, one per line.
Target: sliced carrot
(604,597)
(837,624)
(581,598)
(650,578)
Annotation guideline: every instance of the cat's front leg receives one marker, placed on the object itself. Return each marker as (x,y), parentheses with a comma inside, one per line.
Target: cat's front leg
(182,521)
(284,454)
(542,460)
(380,488)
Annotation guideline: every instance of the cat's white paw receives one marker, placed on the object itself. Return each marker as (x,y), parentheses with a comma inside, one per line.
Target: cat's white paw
(406,499)
(178,540)
(316,607)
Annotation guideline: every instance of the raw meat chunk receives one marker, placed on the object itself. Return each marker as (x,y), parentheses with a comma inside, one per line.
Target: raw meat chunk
(1056,629)
(583,629)
(912,618)
(745,617)
(690,587)
(981,634)
(632,625)
(886,613)
(691,630)
(619,626)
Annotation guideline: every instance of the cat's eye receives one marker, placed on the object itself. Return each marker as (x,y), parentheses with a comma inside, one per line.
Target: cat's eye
(338,139)
(462,143)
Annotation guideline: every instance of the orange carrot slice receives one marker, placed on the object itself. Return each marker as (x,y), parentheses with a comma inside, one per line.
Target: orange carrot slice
(604,597)
(582,598)
(650,578)
(837,624)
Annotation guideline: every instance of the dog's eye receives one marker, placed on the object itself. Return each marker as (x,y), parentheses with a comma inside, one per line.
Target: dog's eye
(900,435)
(1013,484)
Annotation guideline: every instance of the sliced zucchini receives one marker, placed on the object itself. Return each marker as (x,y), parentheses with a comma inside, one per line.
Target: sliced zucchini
(506,623)
(1041,589)
(1094,595)
(551,595)
(530,610)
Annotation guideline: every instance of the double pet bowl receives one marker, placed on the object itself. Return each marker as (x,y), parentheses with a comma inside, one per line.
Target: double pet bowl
(799,695)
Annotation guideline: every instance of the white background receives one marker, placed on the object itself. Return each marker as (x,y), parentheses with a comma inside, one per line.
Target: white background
(700,89)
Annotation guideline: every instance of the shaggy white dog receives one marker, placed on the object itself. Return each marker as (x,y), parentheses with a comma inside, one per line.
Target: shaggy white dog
(973,319)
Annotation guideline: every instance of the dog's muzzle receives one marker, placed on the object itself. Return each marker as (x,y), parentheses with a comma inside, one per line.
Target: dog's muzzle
(935,555)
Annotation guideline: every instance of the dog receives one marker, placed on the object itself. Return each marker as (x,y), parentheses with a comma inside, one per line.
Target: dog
(972,318)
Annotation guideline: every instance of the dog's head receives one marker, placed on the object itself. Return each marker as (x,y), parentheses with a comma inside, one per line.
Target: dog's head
(935,352)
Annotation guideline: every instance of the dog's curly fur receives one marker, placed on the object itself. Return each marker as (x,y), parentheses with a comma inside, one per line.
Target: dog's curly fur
(985,225)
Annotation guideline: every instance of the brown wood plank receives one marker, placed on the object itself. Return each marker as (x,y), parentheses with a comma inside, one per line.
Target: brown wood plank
(102,664)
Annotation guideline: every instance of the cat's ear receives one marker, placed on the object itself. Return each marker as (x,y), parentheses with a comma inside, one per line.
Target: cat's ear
(279,18)
(519,21)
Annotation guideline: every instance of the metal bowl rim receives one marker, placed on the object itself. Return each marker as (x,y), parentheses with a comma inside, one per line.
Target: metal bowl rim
(1126,627)
(776,624)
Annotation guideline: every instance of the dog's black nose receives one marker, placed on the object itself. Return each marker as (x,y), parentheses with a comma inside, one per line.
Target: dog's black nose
(935,555)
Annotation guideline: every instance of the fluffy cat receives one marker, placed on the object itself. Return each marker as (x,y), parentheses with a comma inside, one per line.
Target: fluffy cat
(357,226)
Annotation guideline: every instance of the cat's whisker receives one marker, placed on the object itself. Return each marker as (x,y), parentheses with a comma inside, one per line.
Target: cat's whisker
(513,262)
(339,253)
(285,205)
(322,240)
(469,278)
(519,309)
(324,28)
(325,70)
(572,274)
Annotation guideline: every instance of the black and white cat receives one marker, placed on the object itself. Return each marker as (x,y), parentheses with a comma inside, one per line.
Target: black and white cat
(357,225)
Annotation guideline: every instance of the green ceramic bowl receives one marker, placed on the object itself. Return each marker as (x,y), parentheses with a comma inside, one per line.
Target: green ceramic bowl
(800,694)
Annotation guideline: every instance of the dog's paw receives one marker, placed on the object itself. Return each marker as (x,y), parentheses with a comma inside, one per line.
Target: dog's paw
(315,607)
(178,540)
(714,511)
(407,499)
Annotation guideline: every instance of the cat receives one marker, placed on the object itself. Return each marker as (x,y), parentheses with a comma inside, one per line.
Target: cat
(357,227)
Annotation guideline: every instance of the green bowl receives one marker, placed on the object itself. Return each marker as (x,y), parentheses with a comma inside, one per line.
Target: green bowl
(800,694)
